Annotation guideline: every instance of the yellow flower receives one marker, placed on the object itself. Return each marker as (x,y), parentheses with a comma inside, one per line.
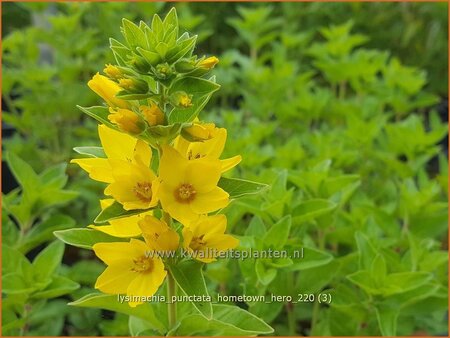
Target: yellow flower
(120,227)
(158,234)
(117,146)
(189,188)
(204,239)
(131,270)
(125,120)
(134,186)
(112,71)
(210,148)
(107,90)
(152,114)
(209,63)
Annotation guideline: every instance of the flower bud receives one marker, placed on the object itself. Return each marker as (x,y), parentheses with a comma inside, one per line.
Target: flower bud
(181,100)
(163,71)
(107,90)
(126,120)
(208,63)
(112,71)
(152,114)
(134,85)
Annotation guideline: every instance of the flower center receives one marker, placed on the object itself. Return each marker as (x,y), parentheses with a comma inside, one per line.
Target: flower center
(143,191)
(185,193)
(192,156)
(197,243)
(142,264)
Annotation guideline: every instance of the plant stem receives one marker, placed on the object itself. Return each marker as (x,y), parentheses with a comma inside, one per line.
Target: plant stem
(292,325)
(172,306)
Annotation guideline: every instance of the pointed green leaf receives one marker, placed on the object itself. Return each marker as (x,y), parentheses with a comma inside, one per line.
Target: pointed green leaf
(91,151)
(85,238)
(189,277)
(115,211)
(236,187)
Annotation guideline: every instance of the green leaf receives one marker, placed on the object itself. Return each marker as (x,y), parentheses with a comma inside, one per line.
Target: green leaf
(182,49)
(228,320)
(15,283)
(189,277)
(201,91)
(387,319)
(100,113)
(264,273)
(367,251)
(311,258)
(278,233)
(140,327)
(115,211)
(54,177)
(134,36)
(256,227)
(91,151)
(22,171)
(43,231)
(59,286)
(112,303)
(46,262)
(85,238)
(312,209)
(237,187)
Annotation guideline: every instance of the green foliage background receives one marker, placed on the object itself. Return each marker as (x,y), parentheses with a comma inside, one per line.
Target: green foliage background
(335,105)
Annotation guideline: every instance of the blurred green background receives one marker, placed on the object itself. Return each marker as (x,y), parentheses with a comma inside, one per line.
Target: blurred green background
(341,107)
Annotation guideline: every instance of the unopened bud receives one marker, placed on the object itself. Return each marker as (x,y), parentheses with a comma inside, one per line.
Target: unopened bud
(126,120)
(152,114)
(112,71)
(208,63)
(181,99)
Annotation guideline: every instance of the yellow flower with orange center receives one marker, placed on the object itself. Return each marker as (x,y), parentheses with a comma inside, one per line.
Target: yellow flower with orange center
(205,238)
(189,188)
(135,185)
(130,269)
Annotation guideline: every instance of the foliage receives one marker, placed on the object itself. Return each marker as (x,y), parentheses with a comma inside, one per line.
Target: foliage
(338,117)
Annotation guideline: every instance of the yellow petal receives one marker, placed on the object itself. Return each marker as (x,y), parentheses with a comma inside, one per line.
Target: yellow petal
(203,175)
(118,252)
(146,284)
(172,166)
(106,202)
(209,202)
(116,145)
(115,280)
(107,90)
(230,163)
(223,242)
(98,169)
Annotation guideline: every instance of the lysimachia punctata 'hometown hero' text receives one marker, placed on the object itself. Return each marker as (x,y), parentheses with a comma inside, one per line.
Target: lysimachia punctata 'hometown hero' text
(162,168)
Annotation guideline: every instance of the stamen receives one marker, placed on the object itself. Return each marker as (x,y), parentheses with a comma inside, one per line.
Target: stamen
(185,193)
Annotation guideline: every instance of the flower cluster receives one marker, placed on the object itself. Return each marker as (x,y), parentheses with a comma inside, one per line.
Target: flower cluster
(162,171)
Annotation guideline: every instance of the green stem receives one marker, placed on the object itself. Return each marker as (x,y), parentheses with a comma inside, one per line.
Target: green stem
(292,325)
(172,306)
